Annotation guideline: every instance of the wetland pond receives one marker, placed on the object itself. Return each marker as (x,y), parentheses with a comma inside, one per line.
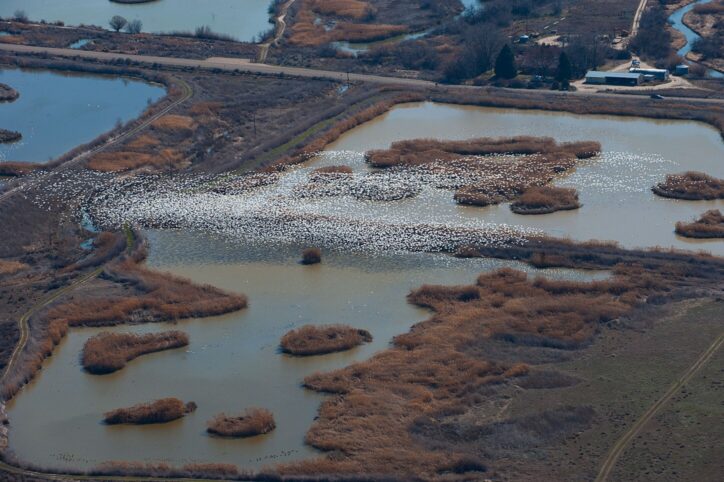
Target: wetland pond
(240,19)
(58,111)
(233,361)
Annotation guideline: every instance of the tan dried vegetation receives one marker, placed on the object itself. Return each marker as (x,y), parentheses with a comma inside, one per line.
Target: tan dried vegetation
(318,340)
(109,352)
(159,411)
(254,421)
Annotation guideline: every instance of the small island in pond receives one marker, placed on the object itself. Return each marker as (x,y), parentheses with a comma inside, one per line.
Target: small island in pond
(709,225)
(254,421)
(319,340)
(690,186)
(159,411)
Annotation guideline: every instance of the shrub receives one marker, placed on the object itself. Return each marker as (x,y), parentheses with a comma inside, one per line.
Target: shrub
(545,199)
(709,225)
(318,340)
(109,352)
(254,421)
(690,185)
(311,256)
(160,411)
(9,268)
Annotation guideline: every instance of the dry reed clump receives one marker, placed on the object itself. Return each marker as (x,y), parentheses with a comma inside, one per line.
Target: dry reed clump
(126,160)
(545,199)
(160,411)
(437,367)
(691,186)
(311,256)
(536,162)
(109,352)
(7,93)
(7,136)
(158,297)
(9,268)
(709,225)
(254,421)
(417,152)
(174,123)
(318,340)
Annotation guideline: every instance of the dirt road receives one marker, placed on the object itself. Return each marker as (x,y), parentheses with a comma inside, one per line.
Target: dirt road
(243,65)
(637,18)
(620,446)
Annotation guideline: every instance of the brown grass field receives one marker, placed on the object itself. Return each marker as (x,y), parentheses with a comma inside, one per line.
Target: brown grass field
(159,411)
(174,123)
(311,256)
(254,421)
(355,9)
(318,340)
(691,186)
(305,32)
(545,199)
(109,352)
(709,225)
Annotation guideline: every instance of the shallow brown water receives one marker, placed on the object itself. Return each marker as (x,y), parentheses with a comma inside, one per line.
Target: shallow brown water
(233,361)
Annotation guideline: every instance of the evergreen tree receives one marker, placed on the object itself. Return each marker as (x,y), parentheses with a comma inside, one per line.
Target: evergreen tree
(505,64)
(564,71)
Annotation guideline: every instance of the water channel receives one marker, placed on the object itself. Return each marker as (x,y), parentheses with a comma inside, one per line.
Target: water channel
(59,111)
(241,19)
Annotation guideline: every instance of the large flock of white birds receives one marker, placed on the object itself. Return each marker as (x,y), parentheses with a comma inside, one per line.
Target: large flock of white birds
(398,209)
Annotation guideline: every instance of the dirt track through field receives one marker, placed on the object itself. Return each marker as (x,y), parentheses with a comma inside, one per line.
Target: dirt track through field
(619,447)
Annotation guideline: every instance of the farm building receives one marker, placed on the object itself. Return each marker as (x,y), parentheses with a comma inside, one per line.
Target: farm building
(657,74)
(613,78)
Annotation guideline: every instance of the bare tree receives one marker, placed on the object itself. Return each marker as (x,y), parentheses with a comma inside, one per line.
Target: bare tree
(134,26)
(117,23)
